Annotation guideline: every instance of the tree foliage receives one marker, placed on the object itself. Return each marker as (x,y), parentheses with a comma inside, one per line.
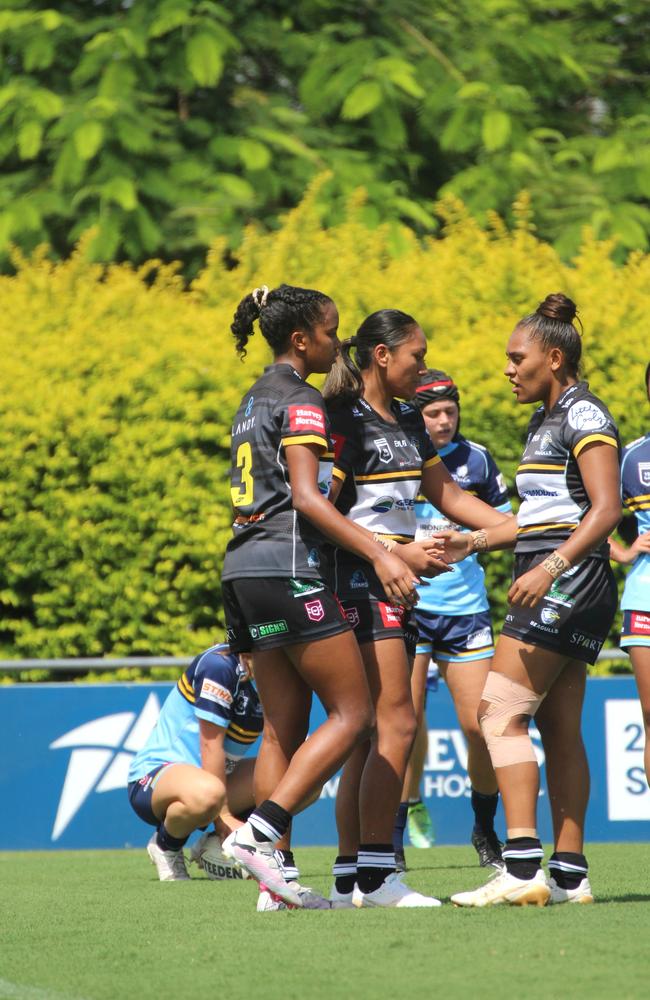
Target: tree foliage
(167,123)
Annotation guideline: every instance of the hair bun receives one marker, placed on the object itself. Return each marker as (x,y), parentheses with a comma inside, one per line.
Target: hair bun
(558,307)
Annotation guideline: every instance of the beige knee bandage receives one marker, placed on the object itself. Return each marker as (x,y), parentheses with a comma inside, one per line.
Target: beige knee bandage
(506,700)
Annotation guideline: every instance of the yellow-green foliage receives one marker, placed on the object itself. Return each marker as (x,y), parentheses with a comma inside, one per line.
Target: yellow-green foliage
(118,387)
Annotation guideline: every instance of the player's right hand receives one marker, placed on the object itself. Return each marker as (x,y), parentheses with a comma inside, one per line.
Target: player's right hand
(397,579)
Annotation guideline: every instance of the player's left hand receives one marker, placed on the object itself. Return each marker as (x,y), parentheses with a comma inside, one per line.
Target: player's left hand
(424,557)
(529,589)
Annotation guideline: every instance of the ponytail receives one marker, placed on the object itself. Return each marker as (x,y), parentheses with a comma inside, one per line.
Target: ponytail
(390,327)
(344,381)
(279,311)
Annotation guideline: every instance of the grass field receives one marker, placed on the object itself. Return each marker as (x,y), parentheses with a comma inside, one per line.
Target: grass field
(98,925)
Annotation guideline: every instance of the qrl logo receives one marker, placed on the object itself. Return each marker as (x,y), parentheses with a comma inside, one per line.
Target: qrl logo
(102,751)
(315,610)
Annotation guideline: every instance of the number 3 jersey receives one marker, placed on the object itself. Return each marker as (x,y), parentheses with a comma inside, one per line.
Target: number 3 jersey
(553,497)
(635,488)
(270,538)
(380,466)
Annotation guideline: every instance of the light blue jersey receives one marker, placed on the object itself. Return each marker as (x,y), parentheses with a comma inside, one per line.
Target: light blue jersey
(214,688)
(635,490)
(461,592)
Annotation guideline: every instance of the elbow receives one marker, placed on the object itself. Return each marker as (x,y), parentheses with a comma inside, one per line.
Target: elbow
(302,502)
(609,517)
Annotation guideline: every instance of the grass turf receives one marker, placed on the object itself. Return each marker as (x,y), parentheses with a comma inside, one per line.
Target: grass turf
(98,925)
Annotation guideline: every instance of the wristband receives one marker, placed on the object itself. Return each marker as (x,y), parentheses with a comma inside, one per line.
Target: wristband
(555,565)
(479,540)
(388,543)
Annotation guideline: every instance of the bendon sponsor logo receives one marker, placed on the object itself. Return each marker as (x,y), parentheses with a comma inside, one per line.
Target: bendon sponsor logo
(306,418)
(215,692)
(268,628)
(391,615)
(315,610)
(102,751)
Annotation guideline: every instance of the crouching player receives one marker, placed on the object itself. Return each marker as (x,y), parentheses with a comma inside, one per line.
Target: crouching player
(190,772)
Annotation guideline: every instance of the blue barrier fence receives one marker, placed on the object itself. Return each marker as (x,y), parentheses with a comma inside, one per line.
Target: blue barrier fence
(65,752)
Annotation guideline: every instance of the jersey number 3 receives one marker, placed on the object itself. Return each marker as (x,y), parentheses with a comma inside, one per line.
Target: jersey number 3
(242,495)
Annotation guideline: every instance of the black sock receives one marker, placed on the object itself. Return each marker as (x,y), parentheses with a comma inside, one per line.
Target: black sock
(523,856)
(269,821)
(568,869)
(344,871)
(374,863)
(400,826)
(485,807)
(166,842)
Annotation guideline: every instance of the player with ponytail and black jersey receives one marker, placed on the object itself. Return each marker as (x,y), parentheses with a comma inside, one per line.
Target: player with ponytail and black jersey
(383,458)
(276,602)
(561,607)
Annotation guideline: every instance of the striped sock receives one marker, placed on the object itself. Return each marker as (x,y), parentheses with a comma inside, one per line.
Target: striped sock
(523,856)
(374,863)
(344,871)
(269,822)
(288,865)
(568,869)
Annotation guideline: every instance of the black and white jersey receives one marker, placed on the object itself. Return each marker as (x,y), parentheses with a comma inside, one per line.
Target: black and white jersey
(379,464)
(553,496)
(270,538)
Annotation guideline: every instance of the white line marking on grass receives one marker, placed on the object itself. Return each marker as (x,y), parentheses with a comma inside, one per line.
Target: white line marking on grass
(19,991)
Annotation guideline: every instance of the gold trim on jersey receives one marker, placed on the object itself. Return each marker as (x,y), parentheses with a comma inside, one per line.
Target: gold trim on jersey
(306,439)
(388,476)
(431,462)
(642,502)
(340,474)
(605,438)
(186,688)
(547,527)
(638,506)
(242,735)
(538,467)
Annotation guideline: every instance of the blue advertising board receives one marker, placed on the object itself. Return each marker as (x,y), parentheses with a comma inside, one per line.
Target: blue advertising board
(66,749)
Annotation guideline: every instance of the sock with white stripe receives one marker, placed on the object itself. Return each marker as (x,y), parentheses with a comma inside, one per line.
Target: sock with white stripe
(568,869)
(374,863)
(344,871)
(269,822)
(523,856)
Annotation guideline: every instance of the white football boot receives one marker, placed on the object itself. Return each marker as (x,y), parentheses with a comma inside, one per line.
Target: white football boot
(309,900)
(392,892)
(258,860)
(505,888)
(341,900)
(581,894)
(169,864)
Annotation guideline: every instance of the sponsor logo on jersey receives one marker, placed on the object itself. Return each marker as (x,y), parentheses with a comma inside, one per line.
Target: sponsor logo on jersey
(640,623)
(391,615)
(586,641)
(557,596)
(461,472)
(547,440)
(358,580)
(477,639)
(313,559)
(306,418)
(549,616)
(243,426)
(268,628)
(543,628)
(382,446)
(539,493)
(249,406)
(315,611)
(215,693)
(585,416)
(352,615)
(383,505)
(644,473)
(304,588)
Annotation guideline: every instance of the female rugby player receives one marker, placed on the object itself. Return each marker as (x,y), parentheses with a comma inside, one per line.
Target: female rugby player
(561,606)
(276,601)
(383,458)
(453,621)
(190,772)
(635,637)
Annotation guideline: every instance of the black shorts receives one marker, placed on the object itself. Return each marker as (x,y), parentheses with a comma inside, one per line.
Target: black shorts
(373,620)
(575,617)
(279,611)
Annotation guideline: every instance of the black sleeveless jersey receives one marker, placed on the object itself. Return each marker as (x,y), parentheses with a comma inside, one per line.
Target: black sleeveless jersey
(270,538)
(553,496)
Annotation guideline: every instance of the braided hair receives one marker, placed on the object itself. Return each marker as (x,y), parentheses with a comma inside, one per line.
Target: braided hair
(279,312)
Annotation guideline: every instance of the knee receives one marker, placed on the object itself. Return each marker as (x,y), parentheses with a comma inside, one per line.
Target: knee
(207,798)
(504,715)
(361,723)
(398,727)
